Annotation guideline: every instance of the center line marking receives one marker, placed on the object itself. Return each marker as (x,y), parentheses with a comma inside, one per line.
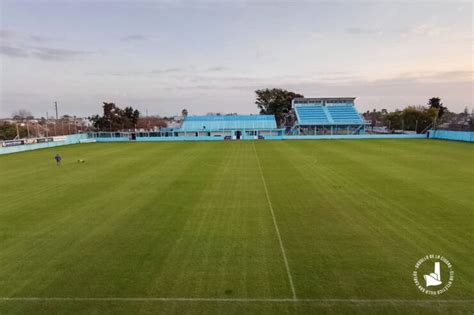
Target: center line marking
(283,252)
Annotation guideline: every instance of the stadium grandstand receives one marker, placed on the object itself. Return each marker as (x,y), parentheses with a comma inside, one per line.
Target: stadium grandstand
(215,127)
(326,116)
(312,116)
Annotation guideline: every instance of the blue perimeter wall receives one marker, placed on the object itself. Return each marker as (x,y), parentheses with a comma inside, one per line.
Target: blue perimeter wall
(348,137)
(205,138)
(452,135)
(72,139)
(158,139)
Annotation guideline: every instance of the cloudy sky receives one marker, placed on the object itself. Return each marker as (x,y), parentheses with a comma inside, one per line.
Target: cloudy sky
(210,56)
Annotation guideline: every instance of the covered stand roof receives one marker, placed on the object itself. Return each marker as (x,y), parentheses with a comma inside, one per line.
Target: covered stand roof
(239,122)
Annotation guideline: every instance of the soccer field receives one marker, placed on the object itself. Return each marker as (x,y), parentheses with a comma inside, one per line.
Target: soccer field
(230,227)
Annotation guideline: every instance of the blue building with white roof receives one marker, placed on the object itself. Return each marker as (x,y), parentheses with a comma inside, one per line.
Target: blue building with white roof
(230,126)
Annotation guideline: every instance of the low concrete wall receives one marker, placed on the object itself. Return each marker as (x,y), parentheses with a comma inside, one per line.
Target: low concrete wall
(211,138)
(160,139)
(374,136)
(467,136)
(72,139)
(199,138)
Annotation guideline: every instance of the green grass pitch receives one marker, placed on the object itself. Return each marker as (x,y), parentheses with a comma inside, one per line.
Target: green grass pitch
(235,227)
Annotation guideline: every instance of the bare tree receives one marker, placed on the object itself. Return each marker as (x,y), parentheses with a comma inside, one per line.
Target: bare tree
(22,114)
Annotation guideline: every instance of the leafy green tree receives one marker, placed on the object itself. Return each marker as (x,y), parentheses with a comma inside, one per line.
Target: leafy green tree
(412,118)
(276,102)
(417,118)
(393,120)
(115,118)
(130,117)
(8,131)
(435,102)
(184,112)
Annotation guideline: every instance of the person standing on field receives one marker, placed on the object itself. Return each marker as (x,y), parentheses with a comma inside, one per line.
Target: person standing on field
(58,159)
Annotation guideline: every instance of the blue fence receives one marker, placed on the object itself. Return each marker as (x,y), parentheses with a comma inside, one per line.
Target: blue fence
(365,136)
(267,137)
(159,139)
(72,139)
(452,135)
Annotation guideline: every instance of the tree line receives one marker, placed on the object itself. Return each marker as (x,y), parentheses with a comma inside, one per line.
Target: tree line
(419,118)
(273,101)
(412,118)
(115,118)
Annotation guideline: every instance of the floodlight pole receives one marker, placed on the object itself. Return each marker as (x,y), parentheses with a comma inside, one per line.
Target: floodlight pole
(56,121)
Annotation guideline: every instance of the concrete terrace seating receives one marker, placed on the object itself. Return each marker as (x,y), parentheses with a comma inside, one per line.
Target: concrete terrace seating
(311,115)
(240,122)
(308,115)
(344,114)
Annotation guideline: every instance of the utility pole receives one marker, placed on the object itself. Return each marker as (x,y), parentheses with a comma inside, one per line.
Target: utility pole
(56,121)
(47,129)
(147,121)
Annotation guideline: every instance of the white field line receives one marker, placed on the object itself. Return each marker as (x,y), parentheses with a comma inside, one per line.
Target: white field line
(232,300)
(283,252)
